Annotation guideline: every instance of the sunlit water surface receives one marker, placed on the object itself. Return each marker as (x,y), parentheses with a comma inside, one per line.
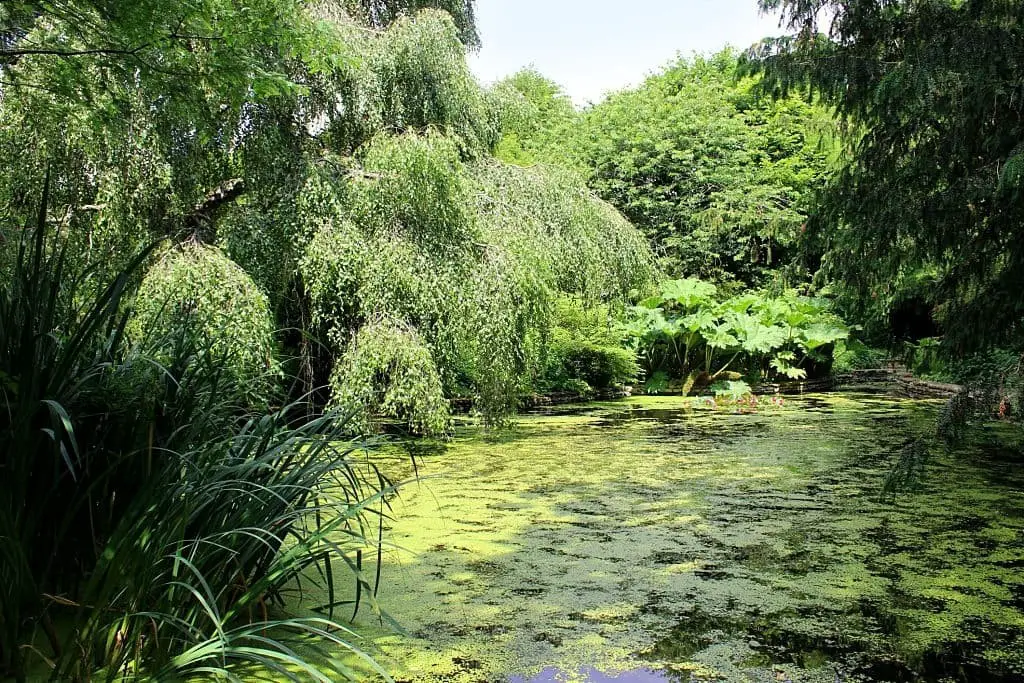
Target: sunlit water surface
(647,540)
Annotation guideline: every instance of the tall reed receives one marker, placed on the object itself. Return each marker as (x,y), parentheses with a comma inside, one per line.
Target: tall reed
(150,528)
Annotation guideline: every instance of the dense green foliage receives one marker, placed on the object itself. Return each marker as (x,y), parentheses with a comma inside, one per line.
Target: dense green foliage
(240,193)
(146,519)
(193,297)
(339,160)
(688,330)
(468,257)
(387,370)
(534,113)
(720,180)
(588,351)
(933,96)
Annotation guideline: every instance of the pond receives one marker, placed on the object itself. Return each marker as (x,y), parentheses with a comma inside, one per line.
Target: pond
(656,539)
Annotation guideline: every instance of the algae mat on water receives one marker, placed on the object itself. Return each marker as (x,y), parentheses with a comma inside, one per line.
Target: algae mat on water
(651,536)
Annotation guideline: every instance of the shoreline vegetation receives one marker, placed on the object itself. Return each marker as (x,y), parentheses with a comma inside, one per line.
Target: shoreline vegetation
(250,250)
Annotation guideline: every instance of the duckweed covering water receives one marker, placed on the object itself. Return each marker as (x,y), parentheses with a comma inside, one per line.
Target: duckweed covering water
(648,535)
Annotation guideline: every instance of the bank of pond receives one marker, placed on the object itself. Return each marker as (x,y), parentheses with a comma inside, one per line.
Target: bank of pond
(824,537)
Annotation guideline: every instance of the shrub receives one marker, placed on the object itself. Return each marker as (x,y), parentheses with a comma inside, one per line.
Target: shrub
(601,367)
(587,345)
(194,297)
(852,354)
(388,372)
(689,329)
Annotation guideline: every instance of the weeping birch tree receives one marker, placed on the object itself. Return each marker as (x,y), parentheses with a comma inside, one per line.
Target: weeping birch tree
(331,165)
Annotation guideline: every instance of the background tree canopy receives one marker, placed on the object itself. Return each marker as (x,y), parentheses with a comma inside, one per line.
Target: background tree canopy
(719,179)
(929,205)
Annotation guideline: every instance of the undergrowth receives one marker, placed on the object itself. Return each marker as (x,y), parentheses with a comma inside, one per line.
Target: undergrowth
(151,524)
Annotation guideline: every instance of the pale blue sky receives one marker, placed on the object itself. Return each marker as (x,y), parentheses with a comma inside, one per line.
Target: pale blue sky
(593,46)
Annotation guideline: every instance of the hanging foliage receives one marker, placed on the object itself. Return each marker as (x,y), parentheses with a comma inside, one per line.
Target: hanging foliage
(425,80)
(345,173)
(196,300)
(469,256)
(388,371)
(414,186)
(408,77)
(381,13)
(547,216)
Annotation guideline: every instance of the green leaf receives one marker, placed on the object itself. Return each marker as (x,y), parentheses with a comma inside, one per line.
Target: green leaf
(780,364)
(689,292)
(721,337)
(651,302)
(821,334)
(756,338)
(733,390)
(701,320)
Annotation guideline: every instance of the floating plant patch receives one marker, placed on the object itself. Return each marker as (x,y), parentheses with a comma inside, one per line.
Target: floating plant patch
(646,538)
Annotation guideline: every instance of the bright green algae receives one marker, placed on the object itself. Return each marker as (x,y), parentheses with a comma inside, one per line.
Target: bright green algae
(712,545)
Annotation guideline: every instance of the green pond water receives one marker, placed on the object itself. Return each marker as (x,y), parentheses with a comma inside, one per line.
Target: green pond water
(651,539)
